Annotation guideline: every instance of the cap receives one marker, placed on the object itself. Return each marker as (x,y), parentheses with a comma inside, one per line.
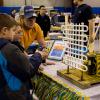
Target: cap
(27,11)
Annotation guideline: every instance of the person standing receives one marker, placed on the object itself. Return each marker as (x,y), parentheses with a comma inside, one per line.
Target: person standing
(43,20)
(83,12)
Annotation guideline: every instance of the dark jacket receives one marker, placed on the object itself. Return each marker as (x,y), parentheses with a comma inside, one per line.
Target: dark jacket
(82,14)
(44,22)
(18,44)
(19,65)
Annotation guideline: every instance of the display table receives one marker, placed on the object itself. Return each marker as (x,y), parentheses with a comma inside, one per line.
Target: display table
(55,28)
(50,86)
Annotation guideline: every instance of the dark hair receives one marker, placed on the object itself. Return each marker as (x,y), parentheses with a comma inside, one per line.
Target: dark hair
(7,21)
(41,6)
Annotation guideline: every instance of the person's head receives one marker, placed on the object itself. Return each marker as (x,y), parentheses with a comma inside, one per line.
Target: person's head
(43,10)
(77,2)
(8,26)
(19,33)
(27,16)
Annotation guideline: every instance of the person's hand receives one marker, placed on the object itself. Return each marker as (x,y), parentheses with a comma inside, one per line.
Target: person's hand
(43,53)
(49,63)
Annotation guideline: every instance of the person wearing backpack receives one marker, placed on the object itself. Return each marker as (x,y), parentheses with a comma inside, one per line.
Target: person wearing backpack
(15,68)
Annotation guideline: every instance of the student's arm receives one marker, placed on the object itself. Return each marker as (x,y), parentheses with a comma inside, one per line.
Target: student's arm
(19,64)
(40,36)
(42,42)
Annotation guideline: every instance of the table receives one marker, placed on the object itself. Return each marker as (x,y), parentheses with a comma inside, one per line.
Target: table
(49,74)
